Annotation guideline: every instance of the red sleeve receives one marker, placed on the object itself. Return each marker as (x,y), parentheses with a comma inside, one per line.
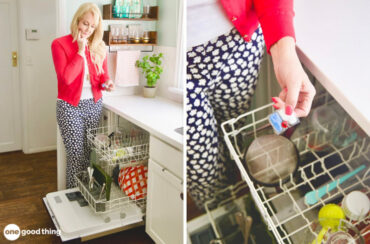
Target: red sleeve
(276,18)
(66,71)
(104,77)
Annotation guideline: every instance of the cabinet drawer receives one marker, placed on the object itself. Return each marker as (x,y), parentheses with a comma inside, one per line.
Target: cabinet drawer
(167,156)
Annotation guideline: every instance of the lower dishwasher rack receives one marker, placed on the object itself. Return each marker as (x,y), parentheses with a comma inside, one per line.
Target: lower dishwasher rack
(118,199)
(283,208)
(121,148)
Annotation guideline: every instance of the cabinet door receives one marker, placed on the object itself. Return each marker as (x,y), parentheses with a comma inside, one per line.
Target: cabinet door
(164,213)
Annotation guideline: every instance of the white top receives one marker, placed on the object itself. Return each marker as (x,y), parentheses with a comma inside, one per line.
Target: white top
(356,205)
(333,43)
(159,116)
(86,87)
(205,20)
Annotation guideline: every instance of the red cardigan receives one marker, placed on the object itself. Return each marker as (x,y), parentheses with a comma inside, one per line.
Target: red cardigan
(69,66)
(275,17)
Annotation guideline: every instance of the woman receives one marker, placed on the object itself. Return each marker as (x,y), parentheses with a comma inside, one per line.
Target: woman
(80,62)
(225,48)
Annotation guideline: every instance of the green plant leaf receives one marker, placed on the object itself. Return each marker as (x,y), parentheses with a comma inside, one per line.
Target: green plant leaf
(151,68)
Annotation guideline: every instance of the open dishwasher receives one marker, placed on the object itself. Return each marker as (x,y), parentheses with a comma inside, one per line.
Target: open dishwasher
(92,209)
(327,149)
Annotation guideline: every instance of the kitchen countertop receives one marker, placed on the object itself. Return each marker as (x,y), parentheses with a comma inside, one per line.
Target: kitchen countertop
(159,116)
(333,43)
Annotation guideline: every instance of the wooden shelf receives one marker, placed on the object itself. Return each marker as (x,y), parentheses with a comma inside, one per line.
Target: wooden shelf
(108,14)
(108,40)
(133,44)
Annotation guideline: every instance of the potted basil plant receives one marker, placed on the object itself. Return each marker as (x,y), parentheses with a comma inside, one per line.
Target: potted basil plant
(151,68)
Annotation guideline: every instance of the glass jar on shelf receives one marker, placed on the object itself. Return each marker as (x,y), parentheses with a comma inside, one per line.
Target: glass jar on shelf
(131,33)
(123,34)
(135,33)
(146,38)
(146,11)
(115,34)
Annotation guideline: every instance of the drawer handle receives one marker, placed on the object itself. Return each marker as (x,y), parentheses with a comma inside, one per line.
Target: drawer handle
(168,175)
(182,196)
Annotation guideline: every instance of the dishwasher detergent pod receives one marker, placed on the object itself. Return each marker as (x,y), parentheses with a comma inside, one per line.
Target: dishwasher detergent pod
(133,181)
(281,122)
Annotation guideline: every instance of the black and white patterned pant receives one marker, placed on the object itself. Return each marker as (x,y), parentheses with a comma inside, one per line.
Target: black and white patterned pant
(73,124)
(221,78)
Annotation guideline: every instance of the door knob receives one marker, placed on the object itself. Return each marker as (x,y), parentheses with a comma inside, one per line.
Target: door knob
(14,59)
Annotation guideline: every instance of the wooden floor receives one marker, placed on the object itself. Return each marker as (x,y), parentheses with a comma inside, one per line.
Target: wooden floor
(192,211)
(24,180)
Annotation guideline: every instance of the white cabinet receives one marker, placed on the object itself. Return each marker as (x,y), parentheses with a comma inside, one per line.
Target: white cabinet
(164,213)
(167,156)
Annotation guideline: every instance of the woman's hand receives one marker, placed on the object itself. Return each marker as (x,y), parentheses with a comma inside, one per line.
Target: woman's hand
(109,85)
(297,91)
(82,42)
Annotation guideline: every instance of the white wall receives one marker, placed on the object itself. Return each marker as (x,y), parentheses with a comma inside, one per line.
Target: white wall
(168,76)
(37,75)
(167,26)
(167,22)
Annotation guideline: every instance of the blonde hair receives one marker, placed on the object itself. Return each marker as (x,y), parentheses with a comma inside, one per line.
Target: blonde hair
(96,43)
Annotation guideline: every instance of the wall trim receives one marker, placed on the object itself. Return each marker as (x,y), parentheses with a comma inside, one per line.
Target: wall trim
(41,149)
(61,20)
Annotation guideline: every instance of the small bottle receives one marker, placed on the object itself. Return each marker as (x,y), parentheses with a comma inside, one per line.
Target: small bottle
(113,33)
(356,206)
(146,38)
(116,9)
(117,34)
(126,9)
(146,11)
(138,8)
(132,9)
(120,36)
(137,33)
(124,34)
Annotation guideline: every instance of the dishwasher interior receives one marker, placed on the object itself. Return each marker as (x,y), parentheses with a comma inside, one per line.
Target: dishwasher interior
(330,144)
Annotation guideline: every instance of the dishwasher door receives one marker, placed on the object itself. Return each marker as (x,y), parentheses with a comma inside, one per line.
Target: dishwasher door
(327,150)
(74,221)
